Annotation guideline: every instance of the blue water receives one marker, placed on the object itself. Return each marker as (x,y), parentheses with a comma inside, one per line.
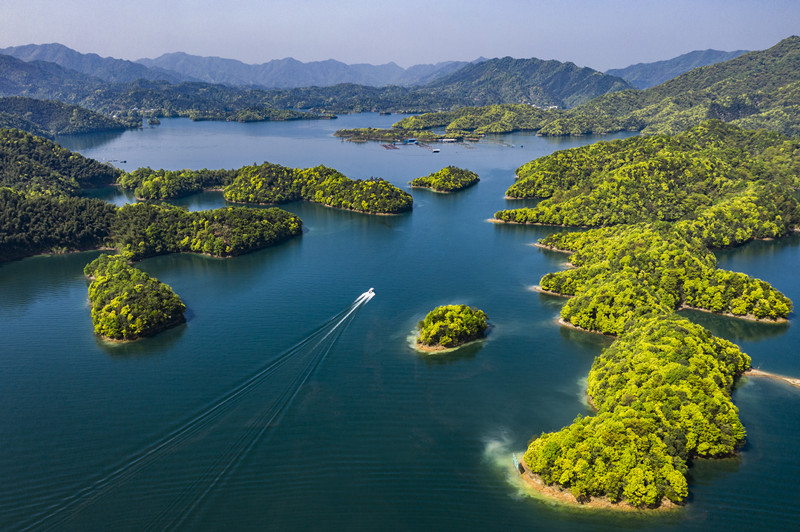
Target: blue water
(378,436)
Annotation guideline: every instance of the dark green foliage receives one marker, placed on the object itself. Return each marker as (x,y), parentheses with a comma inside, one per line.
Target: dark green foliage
(143,230)
(273,184)
(32,224)
(162,184)
(663,397)
(34,164)
(529,81)
(451,325)
(50,118)
(127,303)
(448,179)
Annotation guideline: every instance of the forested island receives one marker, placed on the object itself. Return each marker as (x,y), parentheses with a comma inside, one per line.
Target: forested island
(391,135)
(658,205)
(127,303)
(450,326)
(270,184)
(448,179)
(41,211)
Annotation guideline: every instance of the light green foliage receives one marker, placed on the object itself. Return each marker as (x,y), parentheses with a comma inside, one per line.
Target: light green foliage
(162,184)
(127,303)
(625,272)
(713,174)
(142,230)
(663,396)
(662,389)
(451,326)
(448,179)
(272,183)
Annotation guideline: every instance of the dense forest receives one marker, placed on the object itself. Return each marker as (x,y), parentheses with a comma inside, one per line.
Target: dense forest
(449,326)
(36,165)
(33,224)
(448,179)
(662,393)
(149,184)
(269,183)
(41,212)
(127,303)
(48,118)
(714,173)
(756,90)
(657,205)
(273,184)
(142,230)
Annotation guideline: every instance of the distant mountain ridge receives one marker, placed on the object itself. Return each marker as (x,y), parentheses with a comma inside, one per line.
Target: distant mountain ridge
(646,75)
(104,68)
(276,74)
(290,73)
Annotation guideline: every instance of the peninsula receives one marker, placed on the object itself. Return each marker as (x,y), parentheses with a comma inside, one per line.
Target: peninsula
(657,206)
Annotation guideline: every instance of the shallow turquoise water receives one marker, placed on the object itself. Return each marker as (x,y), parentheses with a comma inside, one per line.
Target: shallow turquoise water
(378,437)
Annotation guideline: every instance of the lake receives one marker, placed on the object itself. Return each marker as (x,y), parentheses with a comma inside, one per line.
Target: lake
(236,420)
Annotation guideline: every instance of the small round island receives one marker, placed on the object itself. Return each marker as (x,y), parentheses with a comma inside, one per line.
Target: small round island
(450,326)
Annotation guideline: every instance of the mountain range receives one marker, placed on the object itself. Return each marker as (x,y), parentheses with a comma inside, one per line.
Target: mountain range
(290,73)
(279,73)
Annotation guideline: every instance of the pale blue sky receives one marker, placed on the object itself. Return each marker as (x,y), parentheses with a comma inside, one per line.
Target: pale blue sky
(601,34)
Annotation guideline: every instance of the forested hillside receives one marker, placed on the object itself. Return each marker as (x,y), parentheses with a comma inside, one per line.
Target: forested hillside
(529,81)
(48,118)
(646,75)
(34,164)
(755,90)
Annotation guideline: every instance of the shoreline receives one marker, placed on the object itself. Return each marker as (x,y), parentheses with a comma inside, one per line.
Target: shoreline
(537,288)
(551,248)
(323,205)
(753,372)
(748,317)
(560,495)
(164,327)
(564,323)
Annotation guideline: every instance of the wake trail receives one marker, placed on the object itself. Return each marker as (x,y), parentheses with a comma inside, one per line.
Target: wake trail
(239,451)
(58,512)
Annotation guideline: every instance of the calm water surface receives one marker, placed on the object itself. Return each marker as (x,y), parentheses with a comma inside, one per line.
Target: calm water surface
(167,433)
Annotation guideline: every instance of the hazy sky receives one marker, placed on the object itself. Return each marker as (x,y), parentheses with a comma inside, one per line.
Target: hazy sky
(601,34)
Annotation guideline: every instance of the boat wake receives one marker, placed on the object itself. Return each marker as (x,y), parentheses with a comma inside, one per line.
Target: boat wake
(243,423)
